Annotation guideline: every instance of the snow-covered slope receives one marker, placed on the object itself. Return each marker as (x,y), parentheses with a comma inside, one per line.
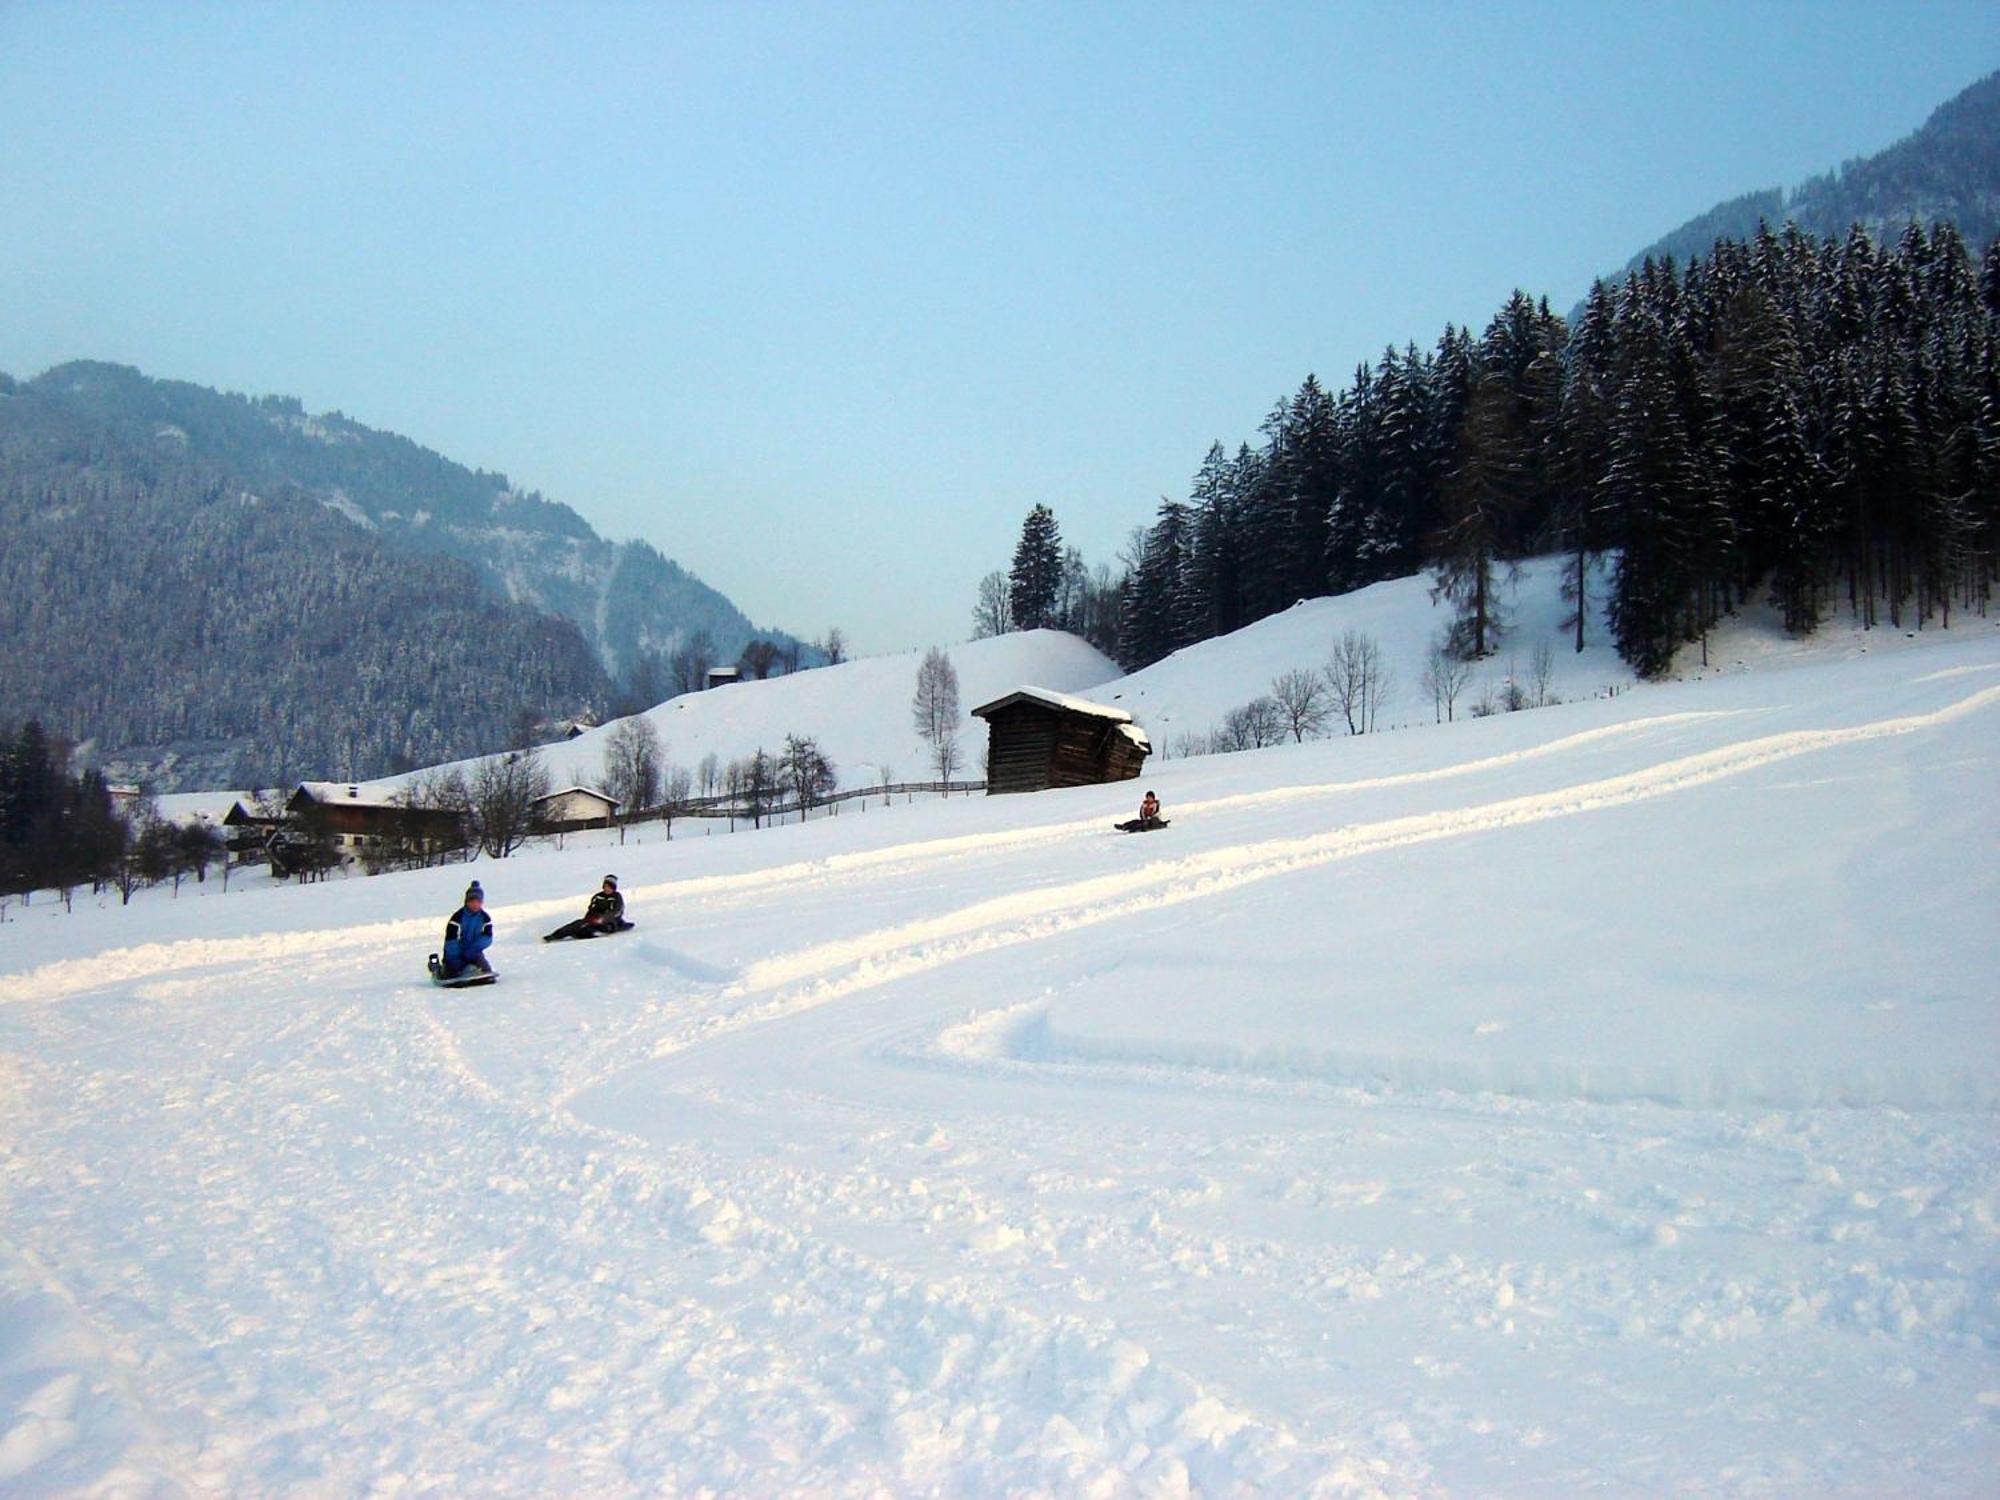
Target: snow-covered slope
(859,711)
(1192,691)
(1599,1098)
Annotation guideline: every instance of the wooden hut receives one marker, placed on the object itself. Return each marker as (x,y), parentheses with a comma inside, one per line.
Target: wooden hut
(1038,739)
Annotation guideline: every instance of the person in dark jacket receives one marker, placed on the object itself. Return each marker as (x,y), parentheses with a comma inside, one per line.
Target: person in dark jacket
(467,936)
(606,914)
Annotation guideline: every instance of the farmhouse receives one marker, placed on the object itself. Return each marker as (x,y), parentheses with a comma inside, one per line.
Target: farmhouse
(576,807)
(353,816)
(1038,739)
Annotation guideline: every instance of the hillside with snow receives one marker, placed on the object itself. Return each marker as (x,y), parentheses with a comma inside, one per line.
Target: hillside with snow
(858,712)
(1599,1097)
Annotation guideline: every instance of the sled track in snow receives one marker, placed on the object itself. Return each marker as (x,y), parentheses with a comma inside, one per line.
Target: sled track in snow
(807,977)
(824,972)
(65,977)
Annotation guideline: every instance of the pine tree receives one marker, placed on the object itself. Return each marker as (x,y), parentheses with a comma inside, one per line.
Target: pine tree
(1358,493)
(1153,613)
(1037,572)
(1211,593)
(1648,489)
(1481,498)
(1588,396)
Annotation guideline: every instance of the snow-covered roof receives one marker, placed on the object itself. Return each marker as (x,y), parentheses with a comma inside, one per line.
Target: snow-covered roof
(1064,701)
(348,794)
(1137,736)
(588,791)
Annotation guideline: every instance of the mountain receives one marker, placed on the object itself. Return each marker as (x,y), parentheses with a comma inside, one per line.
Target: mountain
(1946,172)
(204,589)
(624,596)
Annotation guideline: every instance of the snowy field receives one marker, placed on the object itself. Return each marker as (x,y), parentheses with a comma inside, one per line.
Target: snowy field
(1598,1098)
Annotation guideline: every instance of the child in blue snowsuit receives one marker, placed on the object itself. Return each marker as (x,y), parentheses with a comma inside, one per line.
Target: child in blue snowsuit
(468,935)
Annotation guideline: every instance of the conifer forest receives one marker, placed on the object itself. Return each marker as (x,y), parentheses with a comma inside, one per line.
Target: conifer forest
(1813,422)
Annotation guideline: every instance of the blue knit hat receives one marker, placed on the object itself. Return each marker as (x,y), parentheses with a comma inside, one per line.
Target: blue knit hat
(475,890)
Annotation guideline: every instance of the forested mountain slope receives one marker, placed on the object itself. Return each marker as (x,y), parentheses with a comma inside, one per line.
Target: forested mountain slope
(1946,172)
(216,590)
(625,597)
(194,632)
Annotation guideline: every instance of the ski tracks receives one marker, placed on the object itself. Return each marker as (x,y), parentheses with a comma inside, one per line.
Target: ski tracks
(788,982)
(195,956)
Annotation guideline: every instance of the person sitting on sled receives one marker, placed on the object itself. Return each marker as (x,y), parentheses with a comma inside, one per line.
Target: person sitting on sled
(1149,810)
(467,936)
(606,914)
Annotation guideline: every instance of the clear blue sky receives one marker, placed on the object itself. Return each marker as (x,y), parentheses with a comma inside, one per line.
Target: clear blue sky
(820,299)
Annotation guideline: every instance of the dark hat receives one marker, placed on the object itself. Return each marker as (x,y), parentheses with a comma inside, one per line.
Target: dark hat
(475,891)
(611,880)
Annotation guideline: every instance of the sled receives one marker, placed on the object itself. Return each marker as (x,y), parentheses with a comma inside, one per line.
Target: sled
(1142,825)
(470,979)
(595,932)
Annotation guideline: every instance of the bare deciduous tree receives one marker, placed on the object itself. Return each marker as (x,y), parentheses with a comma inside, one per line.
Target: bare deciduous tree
(634,760)
(504,791)
(688,666)
(935,710)
(809,775)
(759,658)
(1301,697)
(993,612)
(676,785)
(1541,669)
(437,808)
(756,781)
(1445,676)
(1258,723)
(1357,680)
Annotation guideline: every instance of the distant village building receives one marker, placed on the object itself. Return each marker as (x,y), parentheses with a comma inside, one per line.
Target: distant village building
(354,816)
(576,807)
(1038,739)
(723,676)
(250,832)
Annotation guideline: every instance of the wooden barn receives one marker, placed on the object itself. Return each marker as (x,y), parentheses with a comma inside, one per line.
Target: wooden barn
(1038,739)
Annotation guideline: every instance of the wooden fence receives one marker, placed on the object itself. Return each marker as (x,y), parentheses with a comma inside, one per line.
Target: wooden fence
(734,809)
